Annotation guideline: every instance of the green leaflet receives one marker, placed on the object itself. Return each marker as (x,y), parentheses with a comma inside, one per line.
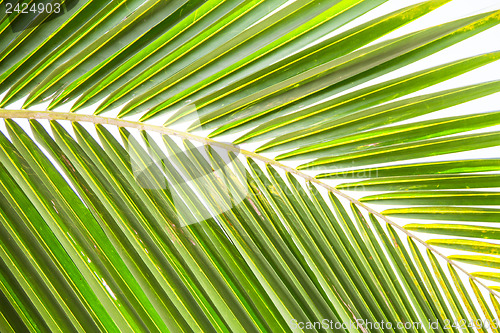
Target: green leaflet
(438,198)
(476,214)
(417,169)
(464,230)
(427,182)
(466,245)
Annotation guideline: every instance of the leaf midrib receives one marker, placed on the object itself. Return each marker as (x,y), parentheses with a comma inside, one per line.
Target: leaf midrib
(141,126)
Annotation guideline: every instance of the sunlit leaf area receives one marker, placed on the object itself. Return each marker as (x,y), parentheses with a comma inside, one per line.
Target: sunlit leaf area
(250,166)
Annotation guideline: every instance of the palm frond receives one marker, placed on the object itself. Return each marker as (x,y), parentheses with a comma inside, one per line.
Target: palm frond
(115,219)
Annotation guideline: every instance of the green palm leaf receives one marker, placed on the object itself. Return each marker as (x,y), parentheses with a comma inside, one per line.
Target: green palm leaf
(114,218)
